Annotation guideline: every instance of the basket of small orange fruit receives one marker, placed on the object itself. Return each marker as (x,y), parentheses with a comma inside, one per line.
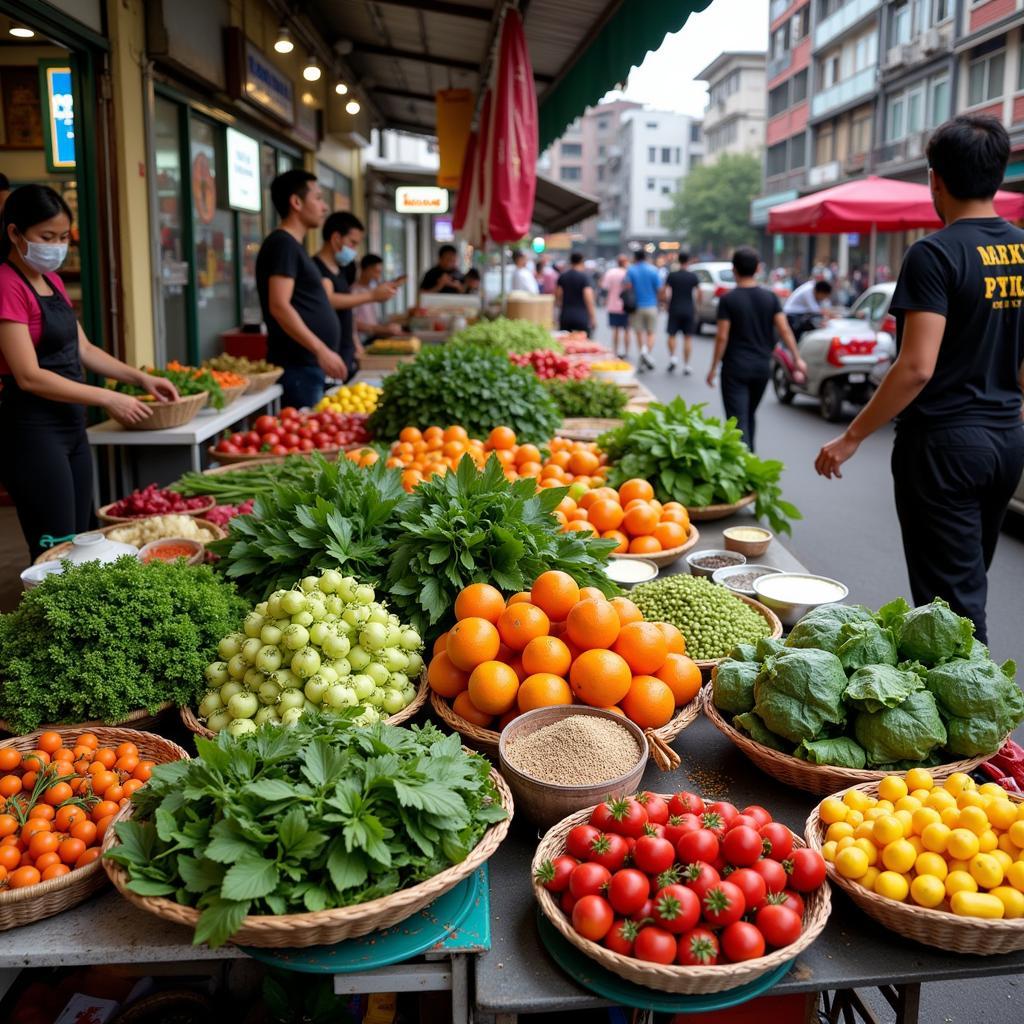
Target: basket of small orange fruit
(632,516)
(60,790)
(560,644)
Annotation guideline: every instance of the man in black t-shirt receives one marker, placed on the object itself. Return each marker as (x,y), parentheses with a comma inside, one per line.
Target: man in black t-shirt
(574,296)
(748,318)
(680,293)
(956,385)
(303,333)
(444,276)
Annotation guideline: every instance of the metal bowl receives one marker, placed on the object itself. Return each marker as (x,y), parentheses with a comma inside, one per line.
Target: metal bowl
(734,557)
(750,548)
(790,612)
(721,576)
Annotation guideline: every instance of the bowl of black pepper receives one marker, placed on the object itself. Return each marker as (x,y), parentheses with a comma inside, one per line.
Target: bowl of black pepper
(740,578)
(707,563)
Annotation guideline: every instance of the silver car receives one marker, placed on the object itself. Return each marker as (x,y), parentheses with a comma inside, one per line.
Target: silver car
(715,280)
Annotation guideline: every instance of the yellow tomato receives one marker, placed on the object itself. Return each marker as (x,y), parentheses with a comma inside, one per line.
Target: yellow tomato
(833,811)
(986,870)
(843,843)
(923,817)
(838,830)
(851,862)
(971,798)
(919,778)
(892,886)
(973,818)
(864,830)
(868,878)
(950,816)
(927,891)
(887,829)
(869,848)
(899,856)
(940,799)
(1011,899)
(828,851)
(960,881)
(907,803)
(962,843)
(957,783)
(988,841)
(1002,814)
(1005,860)
(853,817)
(892,787)
(1016,833)
(935,837)
(1015,875)
(976,904)
(931,864)
(858,800)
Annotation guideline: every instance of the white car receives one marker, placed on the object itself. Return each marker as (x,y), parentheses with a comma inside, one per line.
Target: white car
(715,280)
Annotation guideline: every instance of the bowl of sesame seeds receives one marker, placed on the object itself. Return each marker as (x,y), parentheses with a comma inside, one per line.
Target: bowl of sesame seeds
(558,760)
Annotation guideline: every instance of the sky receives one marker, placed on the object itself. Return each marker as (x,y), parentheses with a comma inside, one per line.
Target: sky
(665,79)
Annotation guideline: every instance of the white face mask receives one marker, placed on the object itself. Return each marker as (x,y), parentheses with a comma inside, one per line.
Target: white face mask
(45,257)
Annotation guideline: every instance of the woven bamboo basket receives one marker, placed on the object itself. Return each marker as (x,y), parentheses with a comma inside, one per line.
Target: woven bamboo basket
(664,558)
(262,381)
(705,513)
(939,928)
(586,428)
(689,981)
(59,551)
(707,665)
(141,719)
(486,740)
(33,903)
(233,393)
(191,721)
(104,516)
(820,779)
(171,414)
(298,931)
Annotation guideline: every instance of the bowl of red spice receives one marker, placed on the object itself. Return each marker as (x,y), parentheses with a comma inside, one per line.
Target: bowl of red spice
(558,760)
(169,549)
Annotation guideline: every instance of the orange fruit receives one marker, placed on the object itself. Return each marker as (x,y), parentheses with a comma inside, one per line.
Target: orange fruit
(529,469)
(649,702)
(493,687)
(615,710)
(600,678)
(599,494)
(543,690)
(640,520)
(675,515)
(440,644)
(527,453)
(546,654)
(635,488)
(506,718)
(593,624)
(583,463)
(626,610)
(644,545)
(472,641)
(643,646)
(520,623)
(479,600)
(433,434)
(503,438)
(523,595)
(620,537)
(555,593)
(410,434)
(675,640)
(591,594)
(682,676)
(670,535)
(455,434)
(566,505)
(444,678)
(606,514)
(580,514)
(465,708)
(515,662)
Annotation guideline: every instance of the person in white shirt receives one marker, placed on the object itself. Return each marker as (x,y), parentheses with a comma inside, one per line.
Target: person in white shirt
(806,304)
(523,279)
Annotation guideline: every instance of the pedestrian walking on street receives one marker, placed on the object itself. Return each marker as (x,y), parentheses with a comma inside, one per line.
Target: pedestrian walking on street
(749,317)
(680,294)
(956,385)
(618,319)
(645,282)
(574,297)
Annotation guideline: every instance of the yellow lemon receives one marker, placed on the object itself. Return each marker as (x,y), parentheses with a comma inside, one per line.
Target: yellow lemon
(935,837)
(1015,874)
(887,829)
(869,848)
(962,843)
(923,817)
(928,891)
(958,782)
(960,881)
(858,800)
(976,904)
(950,816)
(1002,814)
(931,864)
(919,778)
(853,817)
(1011,899)
(1004,859)
(940,799)
(833,811)
(868,878)
(974,818)
(899,856)
(828,851)
(988,841)
(892,787)
(1016,833)
(986,870)
(838,830)
(851,862)
(892,886)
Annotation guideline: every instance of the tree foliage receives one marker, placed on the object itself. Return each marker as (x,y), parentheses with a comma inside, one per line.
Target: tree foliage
(712,204)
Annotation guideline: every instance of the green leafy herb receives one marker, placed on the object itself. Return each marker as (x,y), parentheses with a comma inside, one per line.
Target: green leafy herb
(504,335)
(188,382)
(306,818)
(249,481)
(589,397)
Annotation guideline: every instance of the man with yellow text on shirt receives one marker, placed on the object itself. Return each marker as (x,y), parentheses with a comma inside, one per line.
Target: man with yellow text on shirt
(958,382)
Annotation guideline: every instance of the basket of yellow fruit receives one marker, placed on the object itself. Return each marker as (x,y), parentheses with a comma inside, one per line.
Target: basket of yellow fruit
(351,398)
(617,371)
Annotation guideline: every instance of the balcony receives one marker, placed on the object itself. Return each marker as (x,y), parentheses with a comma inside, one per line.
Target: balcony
(778,64)
(903,150)
(845,18)
(843,93)
(824,174)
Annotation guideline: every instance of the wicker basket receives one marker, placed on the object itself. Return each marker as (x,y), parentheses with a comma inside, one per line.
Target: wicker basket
(232,459)
(939,928)
(171,414)
(820,779)
(688,981)
(233,393)
(669,555)
(708,664)
(586,428)
(262,381)
(58,551)
(298,931)
(141,719)
(191,721)
(33,903)
(104,516)
(705,513)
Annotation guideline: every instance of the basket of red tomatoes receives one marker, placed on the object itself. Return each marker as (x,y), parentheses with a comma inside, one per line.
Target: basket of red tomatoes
(293,432)
(679,894)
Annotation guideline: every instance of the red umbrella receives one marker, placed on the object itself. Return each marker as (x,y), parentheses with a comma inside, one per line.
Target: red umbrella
(466,181)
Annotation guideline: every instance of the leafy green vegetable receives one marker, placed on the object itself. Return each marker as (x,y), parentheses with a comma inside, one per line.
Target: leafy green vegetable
(933,633)
(99,641)
(318,815)
(696,460)
(589,397)
(910,731)
(744,652)
(472,526)
(865,643)
(881,686)
(733,685)
(504,335)
(188,382)
(752,725)
(821,627)
(466,385)
(249,481)
(798,692)
(838,750)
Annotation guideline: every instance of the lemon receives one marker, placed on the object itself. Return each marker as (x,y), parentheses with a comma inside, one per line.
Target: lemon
(1015,875)
(892,886)
(1005,860)
(852,862)
(935,836)
(986,870)
(868,878)
(958,782)
(859,800)
(893,788)
(923,817)
(960,881)
(928,891)
(833,811)
(854,818)
(1011,899)
(838,830)
(962,844)
(828,851)
(869,848)
(940,799)
(899,856)
(888,829)
(931,864)
(1002,814)
(919,778)
(974,818)
(988,841)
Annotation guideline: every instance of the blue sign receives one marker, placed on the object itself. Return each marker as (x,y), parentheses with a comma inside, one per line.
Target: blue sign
(853,240)
(60,118)
(266,86)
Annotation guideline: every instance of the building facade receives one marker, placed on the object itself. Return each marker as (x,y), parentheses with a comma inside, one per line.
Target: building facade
(735,113)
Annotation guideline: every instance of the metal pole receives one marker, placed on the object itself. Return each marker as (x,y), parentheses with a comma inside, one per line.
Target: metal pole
(873,264)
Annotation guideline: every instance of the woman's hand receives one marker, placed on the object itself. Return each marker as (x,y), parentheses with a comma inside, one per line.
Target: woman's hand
(159,387)
(126,409)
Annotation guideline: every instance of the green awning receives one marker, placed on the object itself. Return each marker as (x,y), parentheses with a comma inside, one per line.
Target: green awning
(622,43)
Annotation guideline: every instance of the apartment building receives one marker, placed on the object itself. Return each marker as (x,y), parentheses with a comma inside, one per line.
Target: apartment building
(735,112)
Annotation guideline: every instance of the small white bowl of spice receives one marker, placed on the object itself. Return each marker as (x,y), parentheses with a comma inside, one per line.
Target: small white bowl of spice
(628,572)
(561,759)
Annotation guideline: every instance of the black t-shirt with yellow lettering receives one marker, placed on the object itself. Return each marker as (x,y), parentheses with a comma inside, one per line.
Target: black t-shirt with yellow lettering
(971,272)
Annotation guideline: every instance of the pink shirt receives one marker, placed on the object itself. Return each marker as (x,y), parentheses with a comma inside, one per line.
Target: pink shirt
(612,284)
(366,314)
(19,305)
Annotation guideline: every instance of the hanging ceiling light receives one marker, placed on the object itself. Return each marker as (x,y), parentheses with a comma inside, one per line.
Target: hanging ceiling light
(284,42)
(352,106)
(21,32)
(312,71)
(341,89)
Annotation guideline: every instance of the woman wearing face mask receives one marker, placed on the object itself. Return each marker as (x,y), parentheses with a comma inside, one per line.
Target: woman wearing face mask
(45,463)
(343,232)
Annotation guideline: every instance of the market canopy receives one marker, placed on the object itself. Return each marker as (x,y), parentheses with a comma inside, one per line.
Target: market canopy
(403,51)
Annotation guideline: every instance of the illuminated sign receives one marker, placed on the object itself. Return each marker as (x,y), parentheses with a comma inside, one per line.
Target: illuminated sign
(421,199)
(243,172)
(266,86)
(60,116)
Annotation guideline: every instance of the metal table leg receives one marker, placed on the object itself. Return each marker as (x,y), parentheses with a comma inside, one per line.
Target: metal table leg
(446,973)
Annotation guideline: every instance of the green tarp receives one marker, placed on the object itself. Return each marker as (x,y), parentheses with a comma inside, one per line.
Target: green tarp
(630,34)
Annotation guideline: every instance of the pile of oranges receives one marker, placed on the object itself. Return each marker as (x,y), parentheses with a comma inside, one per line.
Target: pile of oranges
(420,454)
(559,644)
(57,801)
(630,515)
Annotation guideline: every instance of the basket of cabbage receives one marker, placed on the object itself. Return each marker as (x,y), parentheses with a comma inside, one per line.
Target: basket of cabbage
(852,695)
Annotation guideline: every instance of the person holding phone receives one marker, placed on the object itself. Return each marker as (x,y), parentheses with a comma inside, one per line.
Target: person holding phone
(368,322)
(45,462)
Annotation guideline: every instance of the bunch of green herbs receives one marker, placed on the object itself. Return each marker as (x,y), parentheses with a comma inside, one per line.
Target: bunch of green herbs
(504,335)
(247,482)
(590,397)
(188,382)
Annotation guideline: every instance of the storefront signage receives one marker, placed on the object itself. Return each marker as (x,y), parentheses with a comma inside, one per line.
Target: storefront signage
(59,125)
(443,231)
(421,199)
(267,87)
(243,172)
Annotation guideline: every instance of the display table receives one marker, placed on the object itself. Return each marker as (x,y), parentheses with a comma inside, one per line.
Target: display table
(163,455)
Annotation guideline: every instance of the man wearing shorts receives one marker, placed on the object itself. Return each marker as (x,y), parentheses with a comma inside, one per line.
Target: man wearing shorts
(645,282)
(680,293)
(618,318)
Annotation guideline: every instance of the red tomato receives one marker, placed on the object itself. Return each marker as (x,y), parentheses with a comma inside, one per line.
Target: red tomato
(305,431)
(609,850)
(752,885)
(698,846)
(741,846)
(554,874)
(588,879)
(656,807)
(807,871)
(685,803)
(592,917)
(674,828)
(264,424)
(724,809)
(250,449)
(745,819)
(313,423)
(628,891)
(790,899)
(698,948)
(627,817)
(655,945)
(700,877)
(291,440)
(238,440)
(723,904)
(621,937)
(567,901)
(653,854)
(579,840)
(323,440)
(779,925)
(252,437)
(676,909)
(742,941)
(227,447)
(759,813)
(279,449)
(271,437)
(777,840)
(287,413)
(773,873)
(306,445)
